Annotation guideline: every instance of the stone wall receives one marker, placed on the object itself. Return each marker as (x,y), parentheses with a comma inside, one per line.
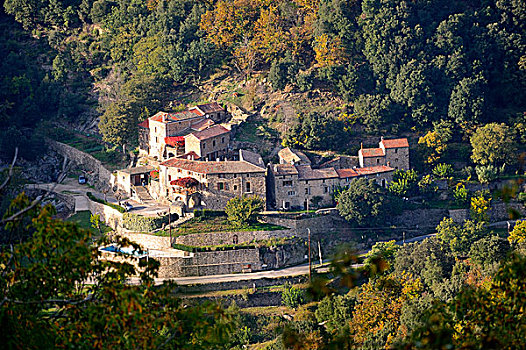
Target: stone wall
(459,215)
(421,218)
(299,224)
(242,300)
(112,217)
(219,238)
(98,175)
(501,211)
(145,240)
(248,283)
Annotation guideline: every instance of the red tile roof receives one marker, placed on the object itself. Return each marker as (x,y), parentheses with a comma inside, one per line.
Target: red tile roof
(174,140)
(190,155)
(145,124)
(372,152)
(355,172)
(210,132)
(225,167)
(395,143)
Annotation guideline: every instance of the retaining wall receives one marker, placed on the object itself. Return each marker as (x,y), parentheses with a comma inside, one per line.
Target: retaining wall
(112,217)
(219,238)
(98,176)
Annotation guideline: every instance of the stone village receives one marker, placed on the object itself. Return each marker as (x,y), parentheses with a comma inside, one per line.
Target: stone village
(187,163)
(188,159)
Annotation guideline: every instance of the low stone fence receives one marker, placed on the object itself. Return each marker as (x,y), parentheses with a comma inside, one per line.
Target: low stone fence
(420,218)
(237,237)
(98,175)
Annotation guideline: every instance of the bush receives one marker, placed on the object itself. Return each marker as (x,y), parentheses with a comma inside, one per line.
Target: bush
(292,296)
(443,170)
(486,174)
(460,193)
(243,210)
(102,201)
(140,223)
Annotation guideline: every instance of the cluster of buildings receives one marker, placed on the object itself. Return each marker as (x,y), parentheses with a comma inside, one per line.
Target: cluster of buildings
(193,163)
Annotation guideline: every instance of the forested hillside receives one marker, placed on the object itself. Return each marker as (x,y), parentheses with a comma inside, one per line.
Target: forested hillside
(397,65)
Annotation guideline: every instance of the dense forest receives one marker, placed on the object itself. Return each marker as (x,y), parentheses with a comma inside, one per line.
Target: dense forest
(397,65)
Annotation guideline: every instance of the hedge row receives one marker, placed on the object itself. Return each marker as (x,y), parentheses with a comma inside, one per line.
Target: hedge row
(139,223)
(102,201)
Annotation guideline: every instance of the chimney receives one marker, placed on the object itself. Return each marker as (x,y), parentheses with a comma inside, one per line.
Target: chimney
(389,164)
(361,145)
(381,138)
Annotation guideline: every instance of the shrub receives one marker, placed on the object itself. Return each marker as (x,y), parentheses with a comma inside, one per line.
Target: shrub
(243,210)
(460,193)
(139,223)
(102,201)
(292,296)
(443,170)
(427,185)
(486,174)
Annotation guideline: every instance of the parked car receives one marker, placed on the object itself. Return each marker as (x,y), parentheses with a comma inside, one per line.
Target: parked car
(82,179)
(127,206)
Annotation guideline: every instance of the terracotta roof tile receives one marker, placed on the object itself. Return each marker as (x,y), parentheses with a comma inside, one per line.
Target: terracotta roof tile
(293,156)
(355,172)
(165,117)
(145,124)
(395,143)
(210,132)
(225,167)
(372,152)
(210,107)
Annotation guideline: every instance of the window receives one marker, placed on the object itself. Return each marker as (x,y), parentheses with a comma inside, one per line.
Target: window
(169,177)
(325,189)
(323,181)
(287,183)
(291,193)
(307,190)
(204,145)
(377,160)
(156,140)
(235,187)
(222,140)
(214,143)
(396,150)
(220,186)
(179,170)
(306,182)
(235,175)
(248,187)
(383,182)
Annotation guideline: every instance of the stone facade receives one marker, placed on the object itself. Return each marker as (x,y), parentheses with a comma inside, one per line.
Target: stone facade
(390,152)
(218,181)
(210,148)
(238,237)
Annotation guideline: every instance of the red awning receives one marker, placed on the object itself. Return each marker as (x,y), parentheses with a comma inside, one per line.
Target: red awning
(174,140)
(185,182)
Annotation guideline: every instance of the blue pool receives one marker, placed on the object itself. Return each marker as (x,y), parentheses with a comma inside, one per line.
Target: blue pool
(124,250)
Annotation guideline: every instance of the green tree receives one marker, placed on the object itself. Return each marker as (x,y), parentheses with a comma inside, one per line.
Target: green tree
(489,250)
(292,296)
(335,311)
(494,144)
(117,126)
(381,257)
(362,203)
(460,238)
(243,210)
(518,234)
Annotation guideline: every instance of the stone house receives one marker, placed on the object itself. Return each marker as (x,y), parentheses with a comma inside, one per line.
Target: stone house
(391,152)
(208,144)
(210,110)
(215,181)
(163,135)
(127,179)
(301,186)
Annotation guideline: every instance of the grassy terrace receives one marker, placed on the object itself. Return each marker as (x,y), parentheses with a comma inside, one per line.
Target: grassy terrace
(220,224)
(82,218)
